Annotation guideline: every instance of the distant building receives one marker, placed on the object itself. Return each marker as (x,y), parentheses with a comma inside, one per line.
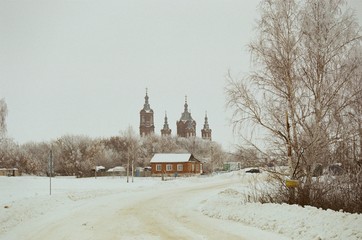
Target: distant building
(186,126)
(170,164)
(165,131)
(10,172)
(206,131)
(147,126)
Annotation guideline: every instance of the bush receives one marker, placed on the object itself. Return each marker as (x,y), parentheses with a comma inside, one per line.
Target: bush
(343,192)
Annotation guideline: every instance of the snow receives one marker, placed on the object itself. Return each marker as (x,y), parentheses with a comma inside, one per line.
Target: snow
(98,168)
(204,207)
(117,169)
(170,157)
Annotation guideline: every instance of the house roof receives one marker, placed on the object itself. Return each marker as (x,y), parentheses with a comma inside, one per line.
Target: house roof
(117,169)
(171,157)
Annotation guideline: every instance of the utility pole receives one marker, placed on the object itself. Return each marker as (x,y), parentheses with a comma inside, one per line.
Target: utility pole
(50,168)
(132,168)
(127,167)
(211,159)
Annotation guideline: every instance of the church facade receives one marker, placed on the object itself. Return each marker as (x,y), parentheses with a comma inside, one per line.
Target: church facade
(186,125)
(147,125)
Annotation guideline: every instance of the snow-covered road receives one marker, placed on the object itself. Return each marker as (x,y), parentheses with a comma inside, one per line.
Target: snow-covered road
(146,209)
(211,207)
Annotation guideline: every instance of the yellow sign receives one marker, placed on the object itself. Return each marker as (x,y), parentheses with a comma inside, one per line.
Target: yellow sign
(291,183)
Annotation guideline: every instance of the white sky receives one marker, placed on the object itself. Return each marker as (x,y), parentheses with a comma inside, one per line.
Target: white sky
(82,66)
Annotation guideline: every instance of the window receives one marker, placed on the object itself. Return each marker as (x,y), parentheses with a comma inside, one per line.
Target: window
(197,167)
(180,167)
(169,167)
(158,167)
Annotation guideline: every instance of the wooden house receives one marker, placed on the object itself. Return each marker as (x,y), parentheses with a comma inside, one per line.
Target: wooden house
(10,172)
(172,164)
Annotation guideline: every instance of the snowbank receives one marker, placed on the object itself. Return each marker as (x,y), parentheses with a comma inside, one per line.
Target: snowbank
(292,221)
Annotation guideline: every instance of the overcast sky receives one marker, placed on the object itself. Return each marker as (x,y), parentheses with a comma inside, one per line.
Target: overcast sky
(82,66)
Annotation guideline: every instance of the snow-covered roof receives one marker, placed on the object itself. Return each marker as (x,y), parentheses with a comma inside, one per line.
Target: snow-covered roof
(9,169)
(170,157)
(117,169)
(97,168)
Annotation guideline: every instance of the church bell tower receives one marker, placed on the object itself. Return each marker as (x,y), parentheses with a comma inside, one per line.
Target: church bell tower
(206,131)
(186,126)
(147,126)
(165,131)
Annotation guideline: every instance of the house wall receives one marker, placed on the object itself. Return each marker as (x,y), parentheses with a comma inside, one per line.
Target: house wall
(9,172)
(187,168)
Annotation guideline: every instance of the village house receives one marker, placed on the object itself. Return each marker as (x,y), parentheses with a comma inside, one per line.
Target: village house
(10,172)
(175,164)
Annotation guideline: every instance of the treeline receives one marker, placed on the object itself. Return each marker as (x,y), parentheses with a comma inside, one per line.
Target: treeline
(74,154)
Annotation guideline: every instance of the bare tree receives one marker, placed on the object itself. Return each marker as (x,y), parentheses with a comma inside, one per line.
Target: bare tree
(75,154)
(217,157)
(132,145)
(302,90)
(9,151)
(37,155)
(268,96)
(3,114)
(326,69)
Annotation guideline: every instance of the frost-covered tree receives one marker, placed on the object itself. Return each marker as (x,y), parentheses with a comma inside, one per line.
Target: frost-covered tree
(301,88)
(75,155)
(268,96)
(304,68)
(36,156)
(132,147)
(9,153)
(327,69)
(3,114)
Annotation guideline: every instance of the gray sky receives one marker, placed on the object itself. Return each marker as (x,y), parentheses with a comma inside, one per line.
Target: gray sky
(82,66)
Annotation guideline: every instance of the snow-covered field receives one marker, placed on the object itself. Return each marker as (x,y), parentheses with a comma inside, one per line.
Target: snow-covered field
(183,208)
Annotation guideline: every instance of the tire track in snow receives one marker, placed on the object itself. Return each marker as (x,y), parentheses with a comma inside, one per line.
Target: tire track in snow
(169,212)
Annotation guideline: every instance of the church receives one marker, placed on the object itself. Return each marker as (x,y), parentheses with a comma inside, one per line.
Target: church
(186,126)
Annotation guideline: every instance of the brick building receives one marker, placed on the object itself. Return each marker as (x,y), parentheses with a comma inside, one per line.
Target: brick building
(206,131)
(170,164)
(186,125)
(165,131)
(146,119)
